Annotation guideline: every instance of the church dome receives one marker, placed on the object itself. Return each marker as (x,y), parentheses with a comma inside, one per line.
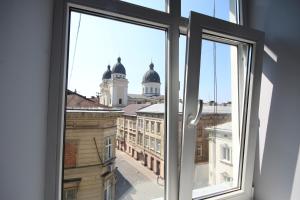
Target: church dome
(151,76)
(119,68)
(107,73)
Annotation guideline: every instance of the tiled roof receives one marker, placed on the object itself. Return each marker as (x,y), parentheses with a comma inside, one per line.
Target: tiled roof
(75,100)
(132,108)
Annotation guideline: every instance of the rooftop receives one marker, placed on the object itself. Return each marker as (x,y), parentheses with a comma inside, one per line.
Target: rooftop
(79,101)
(226,127)
(207,109)
(132,108)
(140,96)
(94,110)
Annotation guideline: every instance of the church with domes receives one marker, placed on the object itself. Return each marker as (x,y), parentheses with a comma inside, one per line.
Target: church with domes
(151,82)
(114,87)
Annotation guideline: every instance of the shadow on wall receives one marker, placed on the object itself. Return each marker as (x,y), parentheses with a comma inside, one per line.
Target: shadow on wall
(278,142)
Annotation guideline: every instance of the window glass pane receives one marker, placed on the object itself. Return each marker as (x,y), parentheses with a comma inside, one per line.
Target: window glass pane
(111,140)
(218,141)
(154,4)
(221,9)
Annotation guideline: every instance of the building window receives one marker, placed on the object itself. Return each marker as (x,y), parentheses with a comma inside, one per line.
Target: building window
(146,141)
(158,127)
(152,127)
(200,150)
(225,153)
(140,123)
(226,177)
(140,138)
(70,194)
(155,90)
(151,90)
(146,90)
(107,190)
(161,23)
(108,148)
(147,125)
(152,143)
(134,125)
(158,146)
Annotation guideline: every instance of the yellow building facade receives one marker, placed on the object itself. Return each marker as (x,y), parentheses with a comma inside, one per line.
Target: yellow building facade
(89,154)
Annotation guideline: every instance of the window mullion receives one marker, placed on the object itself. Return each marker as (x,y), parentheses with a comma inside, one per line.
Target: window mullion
(172,77)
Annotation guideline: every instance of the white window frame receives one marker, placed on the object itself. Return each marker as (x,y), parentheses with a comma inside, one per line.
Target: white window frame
(204,27)
(172,22)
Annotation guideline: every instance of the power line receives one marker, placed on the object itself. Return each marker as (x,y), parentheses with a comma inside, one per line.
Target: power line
(75,48)
(215,70)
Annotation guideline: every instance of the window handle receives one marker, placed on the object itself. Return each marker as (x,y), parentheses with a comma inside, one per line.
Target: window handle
(194,122)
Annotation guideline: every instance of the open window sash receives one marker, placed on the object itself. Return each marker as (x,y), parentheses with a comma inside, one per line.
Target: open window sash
(245,88)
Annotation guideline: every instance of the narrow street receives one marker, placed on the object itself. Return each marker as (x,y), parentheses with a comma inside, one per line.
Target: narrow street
(135,181)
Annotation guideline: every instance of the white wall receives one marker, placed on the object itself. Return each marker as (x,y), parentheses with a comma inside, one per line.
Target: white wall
(25,36)
(277,172)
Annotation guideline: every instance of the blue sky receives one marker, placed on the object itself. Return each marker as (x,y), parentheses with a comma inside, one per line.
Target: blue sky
(100,41)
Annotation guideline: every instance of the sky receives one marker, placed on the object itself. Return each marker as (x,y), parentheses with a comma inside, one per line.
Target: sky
(101,41)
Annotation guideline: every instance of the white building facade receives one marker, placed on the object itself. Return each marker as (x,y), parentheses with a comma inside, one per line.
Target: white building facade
(114,86)
(221,155)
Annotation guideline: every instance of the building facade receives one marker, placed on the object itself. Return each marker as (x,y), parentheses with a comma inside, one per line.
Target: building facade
(89,154)
(221,166)
(142,136)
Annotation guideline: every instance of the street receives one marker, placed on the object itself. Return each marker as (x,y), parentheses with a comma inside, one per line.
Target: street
(135,181)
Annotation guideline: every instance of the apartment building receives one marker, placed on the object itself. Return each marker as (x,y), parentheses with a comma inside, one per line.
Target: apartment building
(89,154)
(140,133)
(221,150)
(127,129)
(151,137)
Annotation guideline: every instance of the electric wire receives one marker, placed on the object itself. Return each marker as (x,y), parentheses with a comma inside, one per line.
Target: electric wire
(75,49)
(215,73)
